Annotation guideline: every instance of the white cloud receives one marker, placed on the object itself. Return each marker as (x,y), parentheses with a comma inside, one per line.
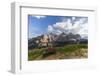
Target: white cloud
(73,18)
(84,31)
(38,17)
(50,28)
(79,27)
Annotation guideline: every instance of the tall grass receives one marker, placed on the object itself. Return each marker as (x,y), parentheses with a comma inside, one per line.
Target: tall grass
(35,53)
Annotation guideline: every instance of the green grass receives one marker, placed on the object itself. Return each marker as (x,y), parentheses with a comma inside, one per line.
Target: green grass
(67,49)
(71,48)
(33,54)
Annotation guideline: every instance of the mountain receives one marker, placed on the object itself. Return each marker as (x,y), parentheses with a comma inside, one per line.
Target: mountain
(57,40)
(66,37)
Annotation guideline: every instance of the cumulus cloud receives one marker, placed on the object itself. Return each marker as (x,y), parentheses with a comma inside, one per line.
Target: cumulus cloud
(50,28)
(78,27)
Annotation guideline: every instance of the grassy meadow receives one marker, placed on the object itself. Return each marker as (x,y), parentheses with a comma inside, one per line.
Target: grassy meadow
(73,51)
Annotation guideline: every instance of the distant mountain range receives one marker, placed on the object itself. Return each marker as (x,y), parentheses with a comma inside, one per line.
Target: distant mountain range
(58,40)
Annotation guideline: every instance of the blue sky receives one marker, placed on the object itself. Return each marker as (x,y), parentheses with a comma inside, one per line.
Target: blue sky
(38,25)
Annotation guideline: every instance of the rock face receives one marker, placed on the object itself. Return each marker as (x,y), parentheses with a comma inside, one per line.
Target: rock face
(55,40)
(67,37)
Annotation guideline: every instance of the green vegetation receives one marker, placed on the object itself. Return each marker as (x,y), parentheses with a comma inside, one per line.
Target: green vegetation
(72,48)
(66,52)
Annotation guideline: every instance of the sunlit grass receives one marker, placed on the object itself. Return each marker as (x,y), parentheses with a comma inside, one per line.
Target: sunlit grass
(68,51)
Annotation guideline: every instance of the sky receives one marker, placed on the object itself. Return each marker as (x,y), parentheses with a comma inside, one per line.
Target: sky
(39,25)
